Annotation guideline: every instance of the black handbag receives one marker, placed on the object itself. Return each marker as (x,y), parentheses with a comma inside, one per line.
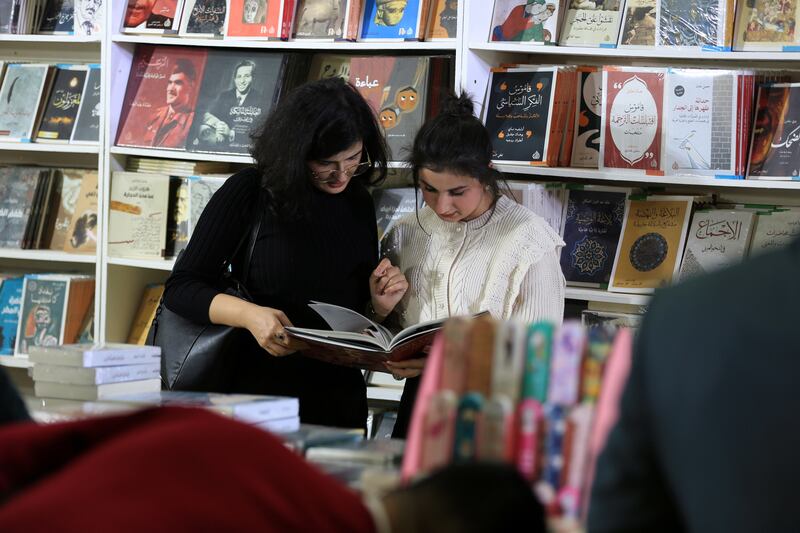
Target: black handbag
(196,357)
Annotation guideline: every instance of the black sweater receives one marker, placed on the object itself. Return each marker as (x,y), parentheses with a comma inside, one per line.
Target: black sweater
(327,257)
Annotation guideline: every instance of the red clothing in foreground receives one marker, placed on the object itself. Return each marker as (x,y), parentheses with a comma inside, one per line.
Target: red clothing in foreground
(168,469)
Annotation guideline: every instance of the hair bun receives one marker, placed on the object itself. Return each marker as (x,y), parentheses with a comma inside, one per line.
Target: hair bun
(461,106)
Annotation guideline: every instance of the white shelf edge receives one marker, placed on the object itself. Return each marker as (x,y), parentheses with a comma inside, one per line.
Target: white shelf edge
(300,44)
(600,175)
(175,154)
(651,53)
(47,255)
(390,394)
(50,39)
(15,362)
(53,148)
(600,295)
(152,264)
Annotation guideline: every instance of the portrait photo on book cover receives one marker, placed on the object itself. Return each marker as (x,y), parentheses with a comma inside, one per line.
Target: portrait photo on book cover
(236,95)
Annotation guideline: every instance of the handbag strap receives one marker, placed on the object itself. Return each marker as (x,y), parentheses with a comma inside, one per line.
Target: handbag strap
(250,238)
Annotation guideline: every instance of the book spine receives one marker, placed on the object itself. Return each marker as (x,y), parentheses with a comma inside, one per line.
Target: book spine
(526,435)
(565,372)
(464,443)
(266,410)
(537,361)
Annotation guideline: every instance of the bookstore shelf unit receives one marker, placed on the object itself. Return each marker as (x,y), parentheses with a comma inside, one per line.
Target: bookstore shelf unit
(53,49)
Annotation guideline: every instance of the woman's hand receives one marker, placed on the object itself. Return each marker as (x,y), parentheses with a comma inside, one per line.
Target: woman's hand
(410,368)
(387,285)
(267,326)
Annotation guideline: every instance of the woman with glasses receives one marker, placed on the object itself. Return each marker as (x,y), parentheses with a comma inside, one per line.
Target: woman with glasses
(317,242)
(470,249)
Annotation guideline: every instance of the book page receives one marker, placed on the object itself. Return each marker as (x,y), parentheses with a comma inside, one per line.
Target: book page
(341,319)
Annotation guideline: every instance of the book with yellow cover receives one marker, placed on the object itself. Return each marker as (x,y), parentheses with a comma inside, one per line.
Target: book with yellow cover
(145,314)
(651,246)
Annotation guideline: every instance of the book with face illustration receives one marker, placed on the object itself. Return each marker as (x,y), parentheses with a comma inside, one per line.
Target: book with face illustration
(591,23)
(443,21)
(152,16)
(82,232)
(718,238)
(204,18)
(89,17)
(42,313)
(528,21)
(775,148)
(61,111)
(260,19)
(391,20)
(639,23)
(766,25)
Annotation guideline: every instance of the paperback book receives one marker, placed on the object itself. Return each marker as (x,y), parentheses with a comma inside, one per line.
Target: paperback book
(775,148)
(138,215)
(591,23)
(21,100)
(718,238)
(588,118)
(87,123)
(528,21)
(390,20)
(95,355)
(639,23)
(61,111)
(204,18)
(321,20)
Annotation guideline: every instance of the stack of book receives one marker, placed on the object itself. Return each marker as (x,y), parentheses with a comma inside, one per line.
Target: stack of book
(94,371)
(278,414)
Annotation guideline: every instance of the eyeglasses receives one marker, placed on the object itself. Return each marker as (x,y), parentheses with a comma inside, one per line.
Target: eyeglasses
(332,175)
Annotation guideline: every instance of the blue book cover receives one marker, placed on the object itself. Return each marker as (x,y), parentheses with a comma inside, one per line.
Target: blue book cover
(391,19)
(591,232)
(10,298)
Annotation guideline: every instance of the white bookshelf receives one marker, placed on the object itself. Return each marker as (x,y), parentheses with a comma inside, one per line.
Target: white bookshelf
(47,256)
(150,264)
(51,148)
(600,295)
(9,361)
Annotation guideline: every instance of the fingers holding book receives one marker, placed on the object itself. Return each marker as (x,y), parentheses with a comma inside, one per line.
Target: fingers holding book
(387,286)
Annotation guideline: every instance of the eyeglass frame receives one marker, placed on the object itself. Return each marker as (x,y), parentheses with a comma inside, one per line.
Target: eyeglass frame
(315,175)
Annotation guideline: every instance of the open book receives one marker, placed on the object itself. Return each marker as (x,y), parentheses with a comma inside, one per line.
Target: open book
(355,340)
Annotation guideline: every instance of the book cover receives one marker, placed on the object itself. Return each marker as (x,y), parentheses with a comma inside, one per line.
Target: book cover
(245,407)
(775,148)
(80,303)
(138,215)
(694,23)
(639,24)
(396,88)
(145,314)
(201,189)
(443,21)
(325,66)
(10,305)
(320,19)
(591,23)
(238,92)
(717,239)
(653,236)
(774,230)
(391,19)
(588,118)
(596,319)
(177,216)
(766,24)
(17,190)
(95,376)
(592,227)
(20,97)
(58,18)
(68,391)
(393,204)
(700,122)
(89,17)
(529,21)
(519,113)
(633,100)
(82,232)
(61,111)
(87,123)
(152,16)
(6,16)
(93,355)
(264,19)
(204,18)
(43,311)
(159,105)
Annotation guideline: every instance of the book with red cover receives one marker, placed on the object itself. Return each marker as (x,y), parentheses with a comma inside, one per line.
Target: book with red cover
(159,105)
(261,19)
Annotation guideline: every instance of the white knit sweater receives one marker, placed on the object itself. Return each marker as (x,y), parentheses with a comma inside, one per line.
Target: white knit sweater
(505,262)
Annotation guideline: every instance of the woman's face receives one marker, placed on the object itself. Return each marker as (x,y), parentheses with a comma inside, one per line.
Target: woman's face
(453,197)
(332,174)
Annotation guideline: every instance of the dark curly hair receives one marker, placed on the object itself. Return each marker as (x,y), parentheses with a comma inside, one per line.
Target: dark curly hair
(315,121)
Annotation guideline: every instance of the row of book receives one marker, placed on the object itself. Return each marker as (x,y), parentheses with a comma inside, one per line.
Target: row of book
(320,20)
(647,121)
(44,310)
(518,393)
(626,240)
(48,209)
(50,103)
(51,17)
(710,25)
(211,100)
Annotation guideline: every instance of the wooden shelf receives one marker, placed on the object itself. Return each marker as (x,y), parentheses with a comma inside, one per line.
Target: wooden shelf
(15,362)
(47,255)
(600,295)
(641,179)
(51,148)
(629,53)
(322,46)
(152,264)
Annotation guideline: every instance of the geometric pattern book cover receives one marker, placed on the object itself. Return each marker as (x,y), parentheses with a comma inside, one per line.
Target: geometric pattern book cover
(775,149)
(159,105)
(518,114)
(591,232)
(653,237)
(700,122)
(633,101)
